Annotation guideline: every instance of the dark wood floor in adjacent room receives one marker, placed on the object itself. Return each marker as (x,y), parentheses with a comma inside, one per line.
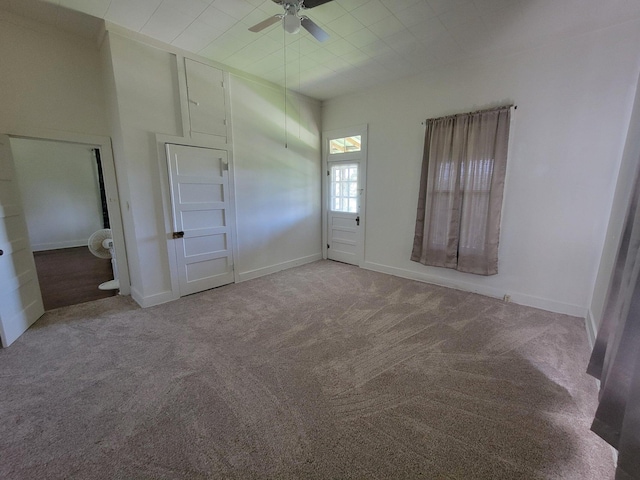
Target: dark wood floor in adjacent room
(69,276)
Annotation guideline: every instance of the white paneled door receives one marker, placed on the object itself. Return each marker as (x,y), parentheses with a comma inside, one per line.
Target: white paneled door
(205,91)
(344,213)
(345,155)
(199,181)
(20,298)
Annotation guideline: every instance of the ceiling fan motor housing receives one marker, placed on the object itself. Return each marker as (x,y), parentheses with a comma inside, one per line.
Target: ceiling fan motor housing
(292,21)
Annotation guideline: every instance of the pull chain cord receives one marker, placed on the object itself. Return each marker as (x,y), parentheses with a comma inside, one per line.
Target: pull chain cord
(284,47)
(298,97)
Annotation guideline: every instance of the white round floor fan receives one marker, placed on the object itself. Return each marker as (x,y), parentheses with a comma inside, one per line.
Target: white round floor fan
(101,245)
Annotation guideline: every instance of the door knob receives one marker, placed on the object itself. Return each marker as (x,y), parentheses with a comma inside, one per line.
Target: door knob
(358,220)
(1,253)
(178,234)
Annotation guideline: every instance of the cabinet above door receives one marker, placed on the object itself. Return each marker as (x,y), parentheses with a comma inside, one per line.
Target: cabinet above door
(206,97)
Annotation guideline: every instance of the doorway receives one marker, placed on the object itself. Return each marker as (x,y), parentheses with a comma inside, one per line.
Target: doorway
(64,202)
(21,301)
(345,161)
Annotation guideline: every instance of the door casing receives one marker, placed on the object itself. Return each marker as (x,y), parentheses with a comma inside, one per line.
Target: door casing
(361,158)
(213,143)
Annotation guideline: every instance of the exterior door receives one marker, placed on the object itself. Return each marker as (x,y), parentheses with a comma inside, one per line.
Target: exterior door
(344,213)
(199,182)
(20,298)
(345,157)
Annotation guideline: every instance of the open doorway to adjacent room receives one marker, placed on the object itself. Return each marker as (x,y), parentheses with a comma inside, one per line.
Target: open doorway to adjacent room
(63,198)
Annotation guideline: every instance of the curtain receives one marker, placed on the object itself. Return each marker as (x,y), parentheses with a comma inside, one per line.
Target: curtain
(461,188)
(615,359)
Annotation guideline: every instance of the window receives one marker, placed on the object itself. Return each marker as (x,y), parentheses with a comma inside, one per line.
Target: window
(344,188)
(461,189)
(345,145)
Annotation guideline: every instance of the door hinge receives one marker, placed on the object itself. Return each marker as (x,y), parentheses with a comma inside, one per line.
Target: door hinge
(328,173)
(328,246)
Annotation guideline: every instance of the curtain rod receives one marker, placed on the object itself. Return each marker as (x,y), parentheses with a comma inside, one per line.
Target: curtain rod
(515,107)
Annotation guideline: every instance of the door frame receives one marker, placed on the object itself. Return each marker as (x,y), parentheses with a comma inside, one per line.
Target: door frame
(163,166)
(110,186)
(361,156)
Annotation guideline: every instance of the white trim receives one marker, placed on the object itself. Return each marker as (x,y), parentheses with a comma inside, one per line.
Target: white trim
(137,296)
(592,328)
(183,95)
(261,272)
(10,211)
(519,298)
(41,247)
(152,300)
(235,248)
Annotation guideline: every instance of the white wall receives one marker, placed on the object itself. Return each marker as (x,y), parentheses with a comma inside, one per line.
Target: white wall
(51,86)
(574,101)
(143,93)
(277,188)
(626,179)
(60,192)
(129,91)
(49,80)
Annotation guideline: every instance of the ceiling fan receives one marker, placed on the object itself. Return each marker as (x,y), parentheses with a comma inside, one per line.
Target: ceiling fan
(292,20)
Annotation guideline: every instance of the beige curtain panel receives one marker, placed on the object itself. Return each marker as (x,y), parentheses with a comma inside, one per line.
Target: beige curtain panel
(461,188)
(615,359)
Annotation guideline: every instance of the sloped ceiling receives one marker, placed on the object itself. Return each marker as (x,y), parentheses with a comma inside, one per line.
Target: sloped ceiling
(371,41)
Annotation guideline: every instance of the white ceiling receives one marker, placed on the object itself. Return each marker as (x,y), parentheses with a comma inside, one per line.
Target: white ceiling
(372,41)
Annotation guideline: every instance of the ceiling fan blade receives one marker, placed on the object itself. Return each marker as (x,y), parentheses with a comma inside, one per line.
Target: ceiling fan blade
(314,29)
(265,23)
(314,3)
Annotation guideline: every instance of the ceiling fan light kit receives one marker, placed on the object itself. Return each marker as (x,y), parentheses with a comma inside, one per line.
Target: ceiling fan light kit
(292,21)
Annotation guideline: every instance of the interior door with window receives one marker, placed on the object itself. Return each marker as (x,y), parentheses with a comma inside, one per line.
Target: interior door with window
(199,182)
(20,298)
(345,156)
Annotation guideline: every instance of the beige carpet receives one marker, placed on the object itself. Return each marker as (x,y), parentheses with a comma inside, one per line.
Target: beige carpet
(322,371)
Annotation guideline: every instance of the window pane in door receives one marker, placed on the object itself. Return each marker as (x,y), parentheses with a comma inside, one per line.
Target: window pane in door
(344,188)
(336,146)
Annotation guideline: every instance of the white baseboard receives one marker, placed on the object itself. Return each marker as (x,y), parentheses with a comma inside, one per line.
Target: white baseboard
(592,328)
(168,296)
(519,298)
(260,272)
(39,247)
(152,300)
(137,296)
